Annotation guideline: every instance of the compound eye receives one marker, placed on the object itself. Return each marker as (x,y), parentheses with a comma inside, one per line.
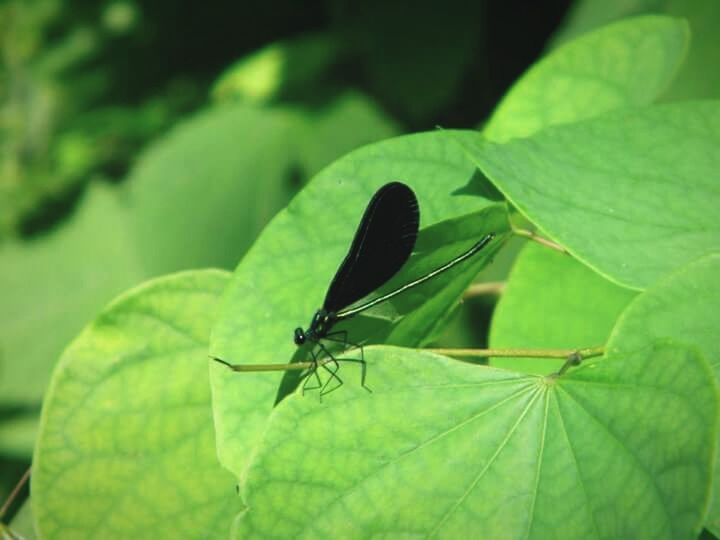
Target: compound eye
(299,336)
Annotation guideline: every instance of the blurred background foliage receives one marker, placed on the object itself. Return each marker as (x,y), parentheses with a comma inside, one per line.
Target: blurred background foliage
(144,137)
(85,85)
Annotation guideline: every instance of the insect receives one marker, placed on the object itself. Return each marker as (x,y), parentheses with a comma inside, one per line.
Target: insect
(382,244)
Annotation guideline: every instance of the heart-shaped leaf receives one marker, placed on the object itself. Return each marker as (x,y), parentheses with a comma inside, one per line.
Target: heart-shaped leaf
(281,282)
(126,446)
(697,78)
(623,64)
(53,284)
(632,194)
(683,307)
(447,449)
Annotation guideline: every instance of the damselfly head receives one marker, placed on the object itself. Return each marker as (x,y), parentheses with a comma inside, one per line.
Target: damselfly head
(300,337)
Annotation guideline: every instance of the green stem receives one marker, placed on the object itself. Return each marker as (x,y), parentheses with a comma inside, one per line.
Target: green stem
(573,356)
(530,235)
(588,352)
(14,493)
(494,288)
(268,367)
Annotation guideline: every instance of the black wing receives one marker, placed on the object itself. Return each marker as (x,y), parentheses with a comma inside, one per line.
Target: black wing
(383,242)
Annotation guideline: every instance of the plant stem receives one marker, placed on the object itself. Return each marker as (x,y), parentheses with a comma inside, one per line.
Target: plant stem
(15,492)
(268,367)
(588,352)
(530,235)
(572,360)
(494,288)
(574,356)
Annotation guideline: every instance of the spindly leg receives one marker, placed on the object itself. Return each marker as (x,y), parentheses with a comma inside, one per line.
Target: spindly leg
(361,360)
(332,372)
(331,359)
(313,371)
(363,368)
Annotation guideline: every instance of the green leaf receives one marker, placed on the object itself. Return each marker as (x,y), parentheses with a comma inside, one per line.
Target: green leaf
(345,123)
(552,301)
(279,68)
(623,64)
(447,449)
(197,198)
(23,522)
(282,280)
(249,156)
(126,446)
(698,77)
(53,284)
(212,184)
(632,194)
(587,15)
(684,307)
